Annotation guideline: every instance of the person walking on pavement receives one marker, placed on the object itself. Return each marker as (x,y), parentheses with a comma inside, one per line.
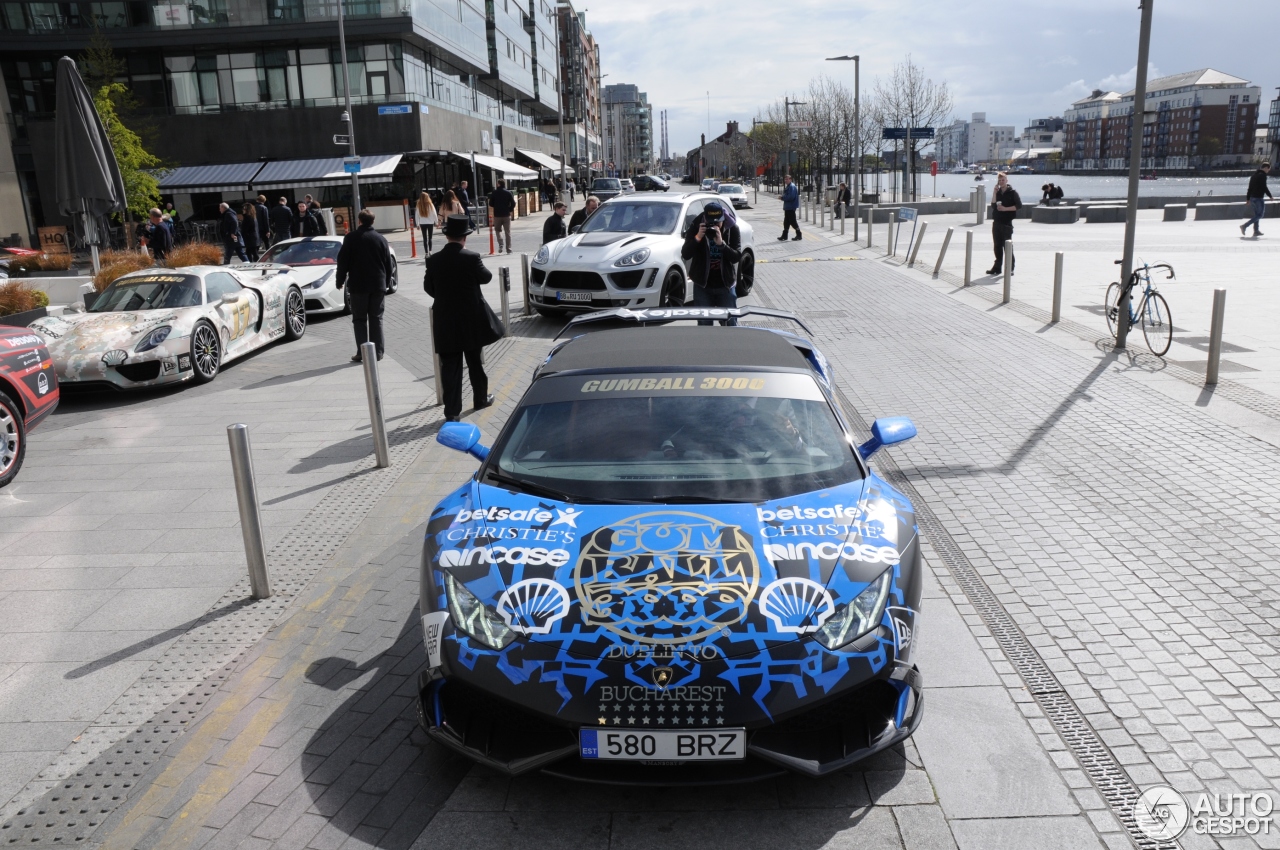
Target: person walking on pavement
(426,220)
(249,230)
(281,218)
(1257,188)
(159,237)
(553,228)
(790,204)
(229,230)
(463,323)
(712,246)
(504,204)
(313,209)
(464,198)
(307,224)
(580,216)
(263,216)
(1006,203)
(843,198)
(364,265)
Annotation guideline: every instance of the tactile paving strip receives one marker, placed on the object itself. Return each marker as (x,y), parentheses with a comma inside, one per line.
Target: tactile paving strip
(68,800)
(1097,761)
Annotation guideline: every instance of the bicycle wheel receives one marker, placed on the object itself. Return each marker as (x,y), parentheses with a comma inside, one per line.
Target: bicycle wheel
(1157,324)
(1111,307)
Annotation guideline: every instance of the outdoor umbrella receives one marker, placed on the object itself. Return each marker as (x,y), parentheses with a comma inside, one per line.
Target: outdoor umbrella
(88,177)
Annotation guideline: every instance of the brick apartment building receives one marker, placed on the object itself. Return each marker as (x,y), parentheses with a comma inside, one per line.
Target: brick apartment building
(1197,119)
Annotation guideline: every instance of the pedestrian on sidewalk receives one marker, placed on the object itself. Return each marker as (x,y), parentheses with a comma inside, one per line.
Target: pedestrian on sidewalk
(463,323)
(249,230)
(307,223)
(281,218)
(364,264)
(553,228)
(464,198)
(449,206)
(229,230)
(1257,188)
(426,220)
(712,246)
(581,215)
(504,204)
(790,204)
(843,198)
(1006,203)
(159,237)
(313,209)
(263,217)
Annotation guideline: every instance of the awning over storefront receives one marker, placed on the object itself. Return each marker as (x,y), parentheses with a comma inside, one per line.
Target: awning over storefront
(509,169)
(540,158)
(290,173)
(228,177)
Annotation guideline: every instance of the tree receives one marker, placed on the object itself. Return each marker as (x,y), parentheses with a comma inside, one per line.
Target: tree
(1206,149)
(908,99)
(137,164)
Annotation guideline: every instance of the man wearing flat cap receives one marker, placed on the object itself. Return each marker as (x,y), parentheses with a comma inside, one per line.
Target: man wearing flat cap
(463,323)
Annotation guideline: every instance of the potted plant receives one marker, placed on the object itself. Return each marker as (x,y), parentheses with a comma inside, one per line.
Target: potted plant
(21,305)
(40,265)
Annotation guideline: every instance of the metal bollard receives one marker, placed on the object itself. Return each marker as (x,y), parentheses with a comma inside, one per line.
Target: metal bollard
(844,213)
(946,241)
(1215,336)
(504,275)
(435,356)
(1057,287)
(524,275)
(980,205)
(373,389)
(1008,272)
(968,257)
(871,220)
(915,249)
(888,242)
(250,518)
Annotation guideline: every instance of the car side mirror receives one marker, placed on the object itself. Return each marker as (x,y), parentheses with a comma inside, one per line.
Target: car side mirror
(462,437)
(230,298)
(885,432)
(574,229)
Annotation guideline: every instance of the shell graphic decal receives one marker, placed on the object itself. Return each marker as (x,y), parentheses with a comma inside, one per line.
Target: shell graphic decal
(796,605)
(533,606)
(666,577)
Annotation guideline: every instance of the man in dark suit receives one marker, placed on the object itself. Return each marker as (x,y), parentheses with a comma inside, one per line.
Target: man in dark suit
(282,220)
(553,227)
(461,324)
(229,230)
(364,262)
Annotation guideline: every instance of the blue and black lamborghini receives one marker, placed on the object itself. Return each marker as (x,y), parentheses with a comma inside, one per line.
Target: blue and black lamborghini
(674,565)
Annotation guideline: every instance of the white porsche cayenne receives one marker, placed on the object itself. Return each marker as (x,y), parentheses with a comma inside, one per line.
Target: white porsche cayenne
(626,254)
(314,260)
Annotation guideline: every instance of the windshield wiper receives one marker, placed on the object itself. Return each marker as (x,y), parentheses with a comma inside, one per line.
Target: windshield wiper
(528,486)
(674,499)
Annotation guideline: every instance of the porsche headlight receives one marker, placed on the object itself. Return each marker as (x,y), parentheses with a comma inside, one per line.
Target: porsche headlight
(635,258)
(858,617)
(320,281)
(543,256)
(153,339)
(473,618)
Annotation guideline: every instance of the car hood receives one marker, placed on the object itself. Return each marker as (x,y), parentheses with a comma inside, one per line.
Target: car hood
(725,579)
(79,332)
(603,246)
(307,274)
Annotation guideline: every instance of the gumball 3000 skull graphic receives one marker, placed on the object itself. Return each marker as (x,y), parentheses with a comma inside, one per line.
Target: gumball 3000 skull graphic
(666,577)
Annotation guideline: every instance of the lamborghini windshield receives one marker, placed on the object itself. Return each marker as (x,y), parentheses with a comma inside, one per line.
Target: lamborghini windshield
(641,217)
(674,437)
(150,292)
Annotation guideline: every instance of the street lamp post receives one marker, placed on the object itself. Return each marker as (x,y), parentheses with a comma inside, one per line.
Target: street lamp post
(787,103)
(857,138)
(560,94)
(1137,125)
(346,116)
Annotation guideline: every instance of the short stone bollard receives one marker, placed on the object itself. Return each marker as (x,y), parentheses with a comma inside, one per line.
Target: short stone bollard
(1215,336)
(915,248)
(255,552)
(968,257)
(1008,272)
(1057,287)
(946,241)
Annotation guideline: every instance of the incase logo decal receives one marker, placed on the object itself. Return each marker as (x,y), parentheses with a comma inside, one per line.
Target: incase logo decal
(830,551)
(531,556)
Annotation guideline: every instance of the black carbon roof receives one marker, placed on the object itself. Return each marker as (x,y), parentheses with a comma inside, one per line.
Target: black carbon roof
(665,347)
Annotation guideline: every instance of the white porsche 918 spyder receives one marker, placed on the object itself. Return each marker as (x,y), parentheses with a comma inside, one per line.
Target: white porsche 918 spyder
(165,326)
(314,260)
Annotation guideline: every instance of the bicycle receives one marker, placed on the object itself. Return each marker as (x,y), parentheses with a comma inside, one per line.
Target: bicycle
(1153,311)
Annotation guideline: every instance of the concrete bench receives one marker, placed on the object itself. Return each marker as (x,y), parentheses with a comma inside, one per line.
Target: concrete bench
(1055,214)
(1221,212)
(1175,212)
(1104,214)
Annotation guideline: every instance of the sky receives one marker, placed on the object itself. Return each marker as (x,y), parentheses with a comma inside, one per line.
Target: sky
(1013,61)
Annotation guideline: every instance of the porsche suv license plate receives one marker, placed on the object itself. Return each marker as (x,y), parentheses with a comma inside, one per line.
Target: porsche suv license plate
(664,745)
(574,296)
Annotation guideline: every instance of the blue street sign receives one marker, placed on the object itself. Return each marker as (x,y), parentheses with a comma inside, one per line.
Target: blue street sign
(351,164)
(395,109)
(901,133)
(906,214)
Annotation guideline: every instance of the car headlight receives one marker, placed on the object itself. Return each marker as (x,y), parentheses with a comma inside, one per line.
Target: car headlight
(320,281)
(635,258)
(153,339)
(543,255)
(474,618)
(858,617)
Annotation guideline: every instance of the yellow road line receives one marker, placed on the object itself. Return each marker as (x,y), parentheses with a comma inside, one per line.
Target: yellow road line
(808,260)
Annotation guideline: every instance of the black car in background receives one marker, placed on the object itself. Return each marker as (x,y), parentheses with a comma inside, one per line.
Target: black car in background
(650,183)
(605,188)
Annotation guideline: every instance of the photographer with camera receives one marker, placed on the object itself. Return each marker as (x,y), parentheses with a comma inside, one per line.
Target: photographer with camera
(713,244)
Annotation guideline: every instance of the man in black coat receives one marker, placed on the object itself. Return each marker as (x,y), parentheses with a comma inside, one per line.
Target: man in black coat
(364,263)
(1006,204)
(229,230)
(461,325)
(262,216)
(159,239)
(504,204)
(580,217)
(281,218)
(553,227)
(713,247)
